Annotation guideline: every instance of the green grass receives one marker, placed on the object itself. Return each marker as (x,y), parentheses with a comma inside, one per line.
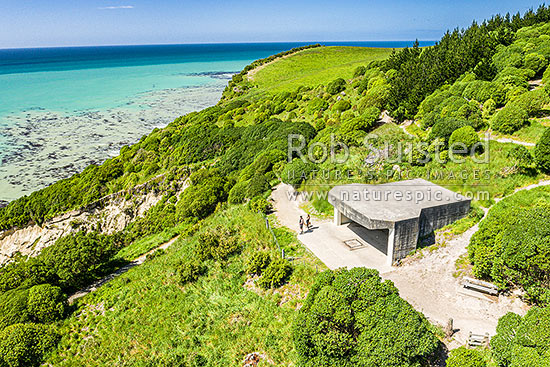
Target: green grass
(146,318)
(148,243)
(315,66)
(529,133)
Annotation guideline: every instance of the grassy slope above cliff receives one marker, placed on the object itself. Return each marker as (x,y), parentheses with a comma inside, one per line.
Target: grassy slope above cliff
(313,67)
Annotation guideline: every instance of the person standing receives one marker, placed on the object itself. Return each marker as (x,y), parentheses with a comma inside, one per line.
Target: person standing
(301,223)
(308,221)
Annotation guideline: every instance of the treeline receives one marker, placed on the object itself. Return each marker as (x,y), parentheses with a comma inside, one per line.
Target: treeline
(419,72)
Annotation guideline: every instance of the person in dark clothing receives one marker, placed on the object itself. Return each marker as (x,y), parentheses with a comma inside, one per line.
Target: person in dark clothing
(301,222)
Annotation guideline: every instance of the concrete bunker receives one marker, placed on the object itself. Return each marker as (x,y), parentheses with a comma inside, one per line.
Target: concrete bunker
(408,210)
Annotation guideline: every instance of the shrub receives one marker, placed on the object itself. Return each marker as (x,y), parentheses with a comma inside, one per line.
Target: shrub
(546,76)
(489,108)
(509,119)
(26,344)
(275,274)
(341,105)
(296,171)
(260,204)
(521,156)
(200,199)
(336,86)
(317,104)
(445,127)
(542,151)
(418,156)
(462,137)
(535,62)
(46,303)
(532,102)
(352,318)
(511,248)
(189,271)
(218,243)
(13,307)
(257,186)
(237,194)
(77,259)
(523,341)
(258,262)
(359,71)
(462,357)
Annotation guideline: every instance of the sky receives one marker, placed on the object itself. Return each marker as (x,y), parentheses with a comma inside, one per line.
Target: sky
(46,23)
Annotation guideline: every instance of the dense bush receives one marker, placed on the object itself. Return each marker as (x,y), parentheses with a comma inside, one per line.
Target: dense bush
(341,105)
(336,86)
(218,243)
(25,344)
(13,307)
(189,271)
(296,171)
(535,62)
(237,194)
(509,119)
(317,104)
(546,76)
(542,151)
(359,71)
(445,127)
(512,248)
(76,259)
(275,274)
(462,357)
(352,318)
(258,262)
(521,156)
(257,186)
(46,303)
(259,204)
(200,199)
(523,341)
(464,137)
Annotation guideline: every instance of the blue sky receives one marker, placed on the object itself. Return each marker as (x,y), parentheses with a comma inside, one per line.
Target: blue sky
(30,23)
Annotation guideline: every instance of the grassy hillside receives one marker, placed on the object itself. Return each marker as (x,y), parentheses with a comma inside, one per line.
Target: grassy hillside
(148,317)
(313,67)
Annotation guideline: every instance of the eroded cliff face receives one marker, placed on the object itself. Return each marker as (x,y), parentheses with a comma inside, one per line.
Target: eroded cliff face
(108,215)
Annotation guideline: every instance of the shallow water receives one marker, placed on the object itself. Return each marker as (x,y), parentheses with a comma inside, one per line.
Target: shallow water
(62,109)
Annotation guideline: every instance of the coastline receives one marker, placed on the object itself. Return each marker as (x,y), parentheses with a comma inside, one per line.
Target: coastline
(46,146)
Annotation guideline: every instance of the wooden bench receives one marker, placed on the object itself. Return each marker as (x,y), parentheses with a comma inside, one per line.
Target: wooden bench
(478,340)
(480,286)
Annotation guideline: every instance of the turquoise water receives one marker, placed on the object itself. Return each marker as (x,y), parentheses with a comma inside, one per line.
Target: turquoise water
(101,88)
(62,109)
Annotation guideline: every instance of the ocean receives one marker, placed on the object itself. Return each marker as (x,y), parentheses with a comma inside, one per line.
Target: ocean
(62,109)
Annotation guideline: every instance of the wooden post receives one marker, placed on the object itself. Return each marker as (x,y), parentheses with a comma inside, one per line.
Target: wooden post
(449,329)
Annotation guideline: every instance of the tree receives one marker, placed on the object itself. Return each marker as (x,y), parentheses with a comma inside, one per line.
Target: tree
(352,318)
(542,151)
